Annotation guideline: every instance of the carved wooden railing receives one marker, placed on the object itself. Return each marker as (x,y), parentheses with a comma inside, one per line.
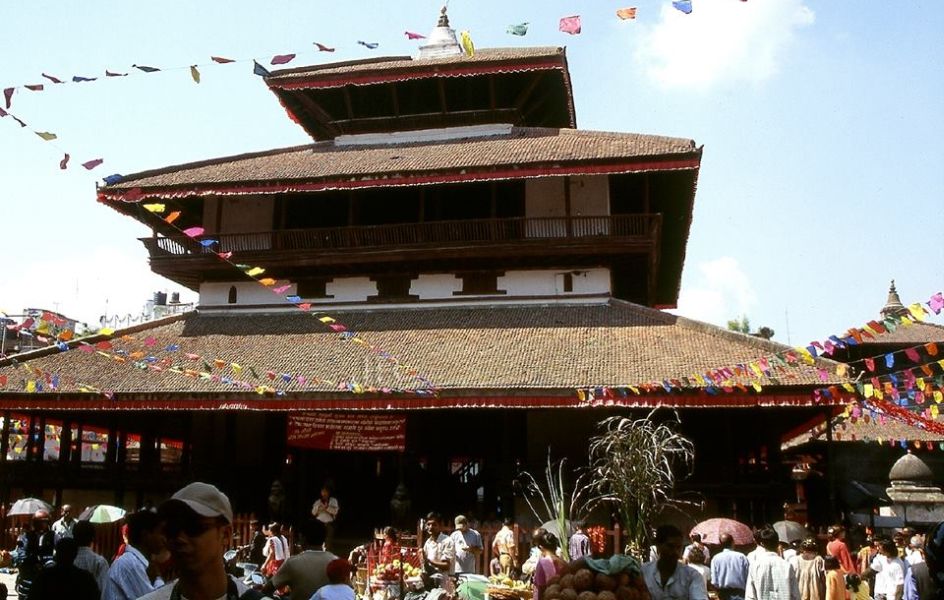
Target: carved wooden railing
(430,233)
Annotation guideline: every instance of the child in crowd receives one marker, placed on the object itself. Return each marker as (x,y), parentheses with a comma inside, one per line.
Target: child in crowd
(858,588)
(339,574)
(835,583)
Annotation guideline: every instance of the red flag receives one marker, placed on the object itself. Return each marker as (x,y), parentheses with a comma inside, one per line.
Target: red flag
(281,59)
(8,96)
(221,60)
(35,87)
(52,79)
(91,164)
(626,13)
(64,163)
(570,25)
(414,36)
(110,74)
(321,48)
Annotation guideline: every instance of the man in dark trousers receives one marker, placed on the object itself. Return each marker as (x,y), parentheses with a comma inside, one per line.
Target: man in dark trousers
(63,579)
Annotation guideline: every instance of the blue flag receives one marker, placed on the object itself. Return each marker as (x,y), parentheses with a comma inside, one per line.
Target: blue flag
(683,5)
(368,45)
(259,70)
(78,79)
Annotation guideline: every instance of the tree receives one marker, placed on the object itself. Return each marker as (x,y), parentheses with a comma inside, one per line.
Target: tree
(635,464)
(743,325)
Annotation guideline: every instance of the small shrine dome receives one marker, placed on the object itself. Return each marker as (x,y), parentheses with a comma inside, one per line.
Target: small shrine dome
(910,468)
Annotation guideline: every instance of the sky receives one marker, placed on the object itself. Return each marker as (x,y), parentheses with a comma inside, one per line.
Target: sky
(821,127)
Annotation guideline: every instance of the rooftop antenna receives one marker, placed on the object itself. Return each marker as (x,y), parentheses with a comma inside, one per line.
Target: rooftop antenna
(786,316)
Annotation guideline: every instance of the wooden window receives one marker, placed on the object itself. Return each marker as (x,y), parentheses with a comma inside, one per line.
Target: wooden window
(568,282)
(231,299)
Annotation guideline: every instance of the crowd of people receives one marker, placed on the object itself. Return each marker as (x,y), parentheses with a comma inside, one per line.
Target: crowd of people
(885,569)
(187,535)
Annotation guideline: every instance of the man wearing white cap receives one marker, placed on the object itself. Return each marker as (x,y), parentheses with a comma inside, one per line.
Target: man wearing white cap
(198,525)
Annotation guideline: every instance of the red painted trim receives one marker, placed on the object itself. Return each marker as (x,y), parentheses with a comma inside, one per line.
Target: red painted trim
(23,402)
(341,80)
(379,181)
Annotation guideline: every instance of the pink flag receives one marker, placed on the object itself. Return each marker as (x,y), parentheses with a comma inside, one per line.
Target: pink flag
(570,25)
(281,289)
(52,79)
(111,74)
(8,96)
(91,164)
(323,48)
(193,231)
(936,303)
(35,87)
(221,60)
(414,36)
(225,255)
(281,59)
(64,163)
(626,13)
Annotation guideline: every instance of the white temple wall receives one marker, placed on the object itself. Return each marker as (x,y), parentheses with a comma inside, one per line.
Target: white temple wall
(429,287)
(544,198)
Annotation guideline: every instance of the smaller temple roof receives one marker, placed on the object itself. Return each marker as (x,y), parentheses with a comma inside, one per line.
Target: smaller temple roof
(507,60)
(910,468)
(893,306)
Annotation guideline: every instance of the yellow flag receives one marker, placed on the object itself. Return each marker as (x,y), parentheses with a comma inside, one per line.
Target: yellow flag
(756,369)
(916,311)
(467,46)
(236,368)
(581,395)
(867,390)
(756,386)
(326,319)
(920,383)
(255,271)
(842,369)
(157,207)
(46,135)
(106,331)
(31,386)
(848,387)
(938,396)
(194,73)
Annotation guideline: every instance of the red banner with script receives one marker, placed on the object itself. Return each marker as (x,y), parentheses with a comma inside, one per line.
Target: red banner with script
(347,432)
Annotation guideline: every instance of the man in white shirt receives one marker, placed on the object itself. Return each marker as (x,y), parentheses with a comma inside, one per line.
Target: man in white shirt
(439,552)
(325,509)
(468,544)
(770,577)
(889,572)
(666,577)
(63,527)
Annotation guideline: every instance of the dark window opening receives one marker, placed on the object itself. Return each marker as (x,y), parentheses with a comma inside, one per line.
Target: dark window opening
(479,284)
(313,288)
(231,299)
(370,101)
(393,287)
(387,206)
(467,93)
(627,194)
(417,97)
(313,211)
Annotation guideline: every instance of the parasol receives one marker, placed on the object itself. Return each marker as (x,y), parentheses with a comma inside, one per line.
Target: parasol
(712,529)
(790,531)
(554,527)
(102,513)
(28,506)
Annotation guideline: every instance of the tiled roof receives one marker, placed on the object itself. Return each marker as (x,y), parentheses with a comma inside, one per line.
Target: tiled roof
(520,348)
(861,431)
(325,161)
(405,62)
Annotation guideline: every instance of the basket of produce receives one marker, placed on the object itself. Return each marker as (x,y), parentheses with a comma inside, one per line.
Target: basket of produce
(616,578)
(505,588)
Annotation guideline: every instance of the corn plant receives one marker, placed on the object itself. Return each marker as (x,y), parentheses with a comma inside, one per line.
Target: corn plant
(635,464)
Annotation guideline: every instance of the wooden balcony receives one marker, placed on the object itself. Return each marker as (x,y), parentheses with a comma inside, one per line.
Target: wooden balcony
(340,248)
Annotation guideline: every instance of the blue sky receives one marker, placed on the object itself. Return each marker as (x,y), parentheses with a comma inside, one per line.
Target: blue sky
(821,125)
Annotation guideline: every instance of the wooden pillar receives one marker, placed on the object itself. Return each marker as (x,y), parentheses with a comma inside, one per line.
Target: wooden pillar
(567,206)
(830,468)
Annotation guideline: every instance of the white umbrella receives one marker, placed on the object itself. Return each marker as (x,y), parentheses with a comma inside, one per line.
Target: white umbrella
(28,506)
(102,513)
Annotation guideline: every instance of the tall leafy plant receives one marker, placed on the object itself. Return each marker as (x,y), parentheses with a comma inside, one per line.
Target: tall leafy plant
(635,463)
(550,500)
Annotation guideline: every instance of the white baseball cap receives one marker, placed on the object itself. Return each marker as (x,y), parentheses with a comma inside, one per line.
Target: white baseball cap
(205,500)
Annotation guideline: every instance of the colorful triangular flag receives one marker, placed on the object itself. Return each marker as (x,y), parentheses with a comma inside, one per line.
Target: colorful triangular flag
(570,25)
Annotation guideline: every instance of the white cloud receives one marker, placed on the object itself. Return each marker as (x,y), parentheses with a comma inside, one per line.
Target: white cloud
(720,41)
(721,291)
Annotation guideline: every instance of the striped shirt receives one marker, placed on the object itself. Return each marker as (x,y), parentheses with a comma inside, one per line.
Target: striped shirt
(128,578)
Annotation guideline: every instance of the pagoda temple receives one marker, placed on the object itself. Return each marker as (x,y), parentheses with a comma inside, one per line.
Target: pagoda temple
(445,264)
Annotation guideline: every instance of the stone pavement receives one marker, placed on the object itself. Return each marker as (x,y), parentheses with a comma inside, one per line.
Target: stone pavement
(9,580)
